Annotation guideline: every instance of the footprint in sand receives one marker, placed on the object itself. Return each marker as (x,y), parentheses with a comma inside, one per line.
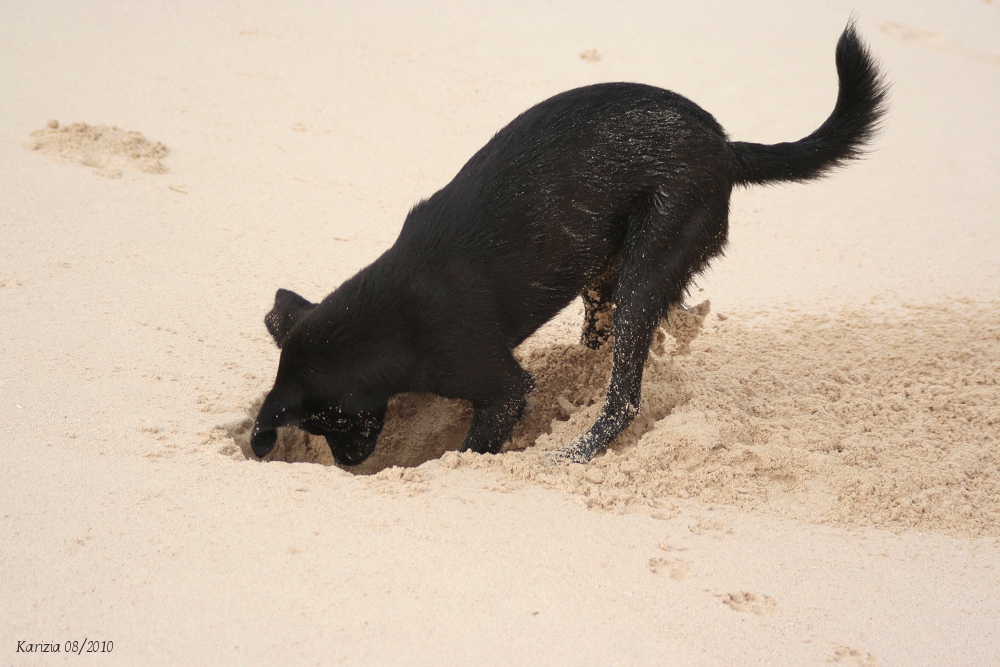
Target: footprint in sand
(845,655)
(935,41)
(910,34)
(711,528)
(756,603)
(677,568)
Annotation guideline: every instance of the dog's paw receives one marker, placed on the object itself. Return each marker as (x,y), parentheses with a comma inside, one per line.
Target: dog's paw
(571,454)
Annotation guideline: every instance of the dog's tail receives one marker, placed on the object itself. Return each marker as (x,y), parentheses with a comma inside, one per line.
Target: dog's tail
(861,104)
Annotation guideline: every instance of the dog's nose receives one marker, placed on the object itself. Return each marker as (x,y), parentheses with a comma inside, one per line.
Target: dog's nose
(262,442)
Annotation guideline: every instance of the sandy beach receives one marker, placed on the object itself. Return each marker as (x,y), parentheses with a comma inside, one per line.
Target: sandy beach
(814,477)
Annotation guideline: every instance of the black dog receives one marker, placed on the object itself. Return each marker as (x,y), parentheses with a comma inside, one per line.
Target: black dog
(618,191)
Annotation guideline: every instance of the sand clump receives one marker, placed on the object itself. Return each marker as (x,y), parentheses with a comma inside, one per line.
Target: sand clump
(850,418)
(108,149)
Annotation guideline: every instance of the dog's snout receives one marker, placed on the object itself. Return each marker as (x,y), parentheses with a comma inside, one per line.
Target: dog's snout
(263,441)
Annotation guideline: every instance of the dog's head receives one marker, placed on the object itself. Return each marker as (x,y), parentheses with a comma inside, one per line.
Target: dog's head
(328,380)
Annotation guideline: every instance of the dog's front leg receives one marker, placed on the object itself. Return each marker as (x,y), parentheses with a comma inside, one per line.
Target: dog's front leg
(494,418)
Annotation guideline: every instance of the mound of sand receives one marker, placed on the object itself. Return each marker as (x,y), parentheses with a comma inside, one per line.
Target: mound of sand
(847,418)
(108,149)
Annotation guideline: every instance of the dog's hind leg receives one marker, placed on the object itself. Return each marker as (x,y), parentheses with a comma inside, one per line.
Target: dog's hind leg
(598,308)
(658,261)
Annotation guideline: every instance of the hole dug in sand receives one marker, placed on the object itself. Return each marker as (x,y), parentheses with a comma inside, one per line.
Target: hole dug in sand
(570,381)
(850,418)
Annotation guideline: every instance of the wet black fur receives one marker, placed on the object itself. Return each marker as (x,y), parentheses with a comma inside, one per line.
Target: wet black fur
(616,191)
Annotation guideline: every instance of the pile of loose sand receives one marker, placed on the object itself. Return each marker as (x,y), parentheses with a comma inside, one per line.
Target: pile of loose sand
(108,149)
(848,418)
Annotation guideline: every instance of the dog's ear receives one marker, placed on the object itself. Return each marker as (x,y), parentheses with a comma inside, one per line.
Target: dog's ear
(288,309)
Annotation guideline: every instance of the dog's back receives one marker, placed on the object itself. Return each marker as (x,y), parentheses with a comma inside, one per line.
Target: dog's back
(543,208)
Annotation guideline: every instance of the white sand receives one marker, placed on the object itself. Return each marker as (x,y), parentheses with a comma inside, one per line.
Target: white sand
(725,532)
